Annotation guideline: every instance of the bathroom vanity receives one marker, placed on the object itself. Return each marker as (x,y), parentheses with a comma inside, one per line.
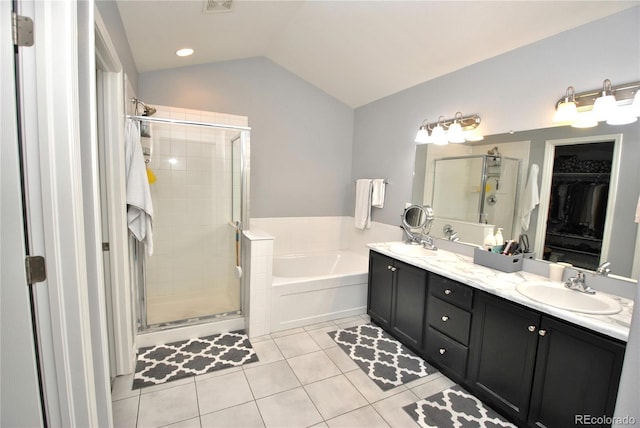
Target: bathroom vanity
(536,364)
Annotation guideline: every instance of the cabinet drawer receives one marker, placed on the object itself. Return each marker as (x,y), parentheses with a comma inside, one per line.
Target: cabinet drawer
(449,319)
(446,352)
(451,291)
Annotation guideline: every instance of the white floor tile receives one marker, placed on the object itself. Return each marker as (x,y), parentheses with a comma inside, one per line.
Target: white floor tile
(365,417)
(341,359)
(168,406)
(369,389)
(391,409)
(223,391)
(268,352)
(166,385)
(321,337)
(242,416)
(313,367)
(296,344)
(432,387)
(125,412)
(189,423)
(335,396)
(122,388)
(271,379)
(289,409)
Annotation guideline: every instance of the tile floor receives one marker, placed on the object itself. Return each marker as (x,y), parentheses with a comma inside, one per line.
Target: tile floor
(302,380)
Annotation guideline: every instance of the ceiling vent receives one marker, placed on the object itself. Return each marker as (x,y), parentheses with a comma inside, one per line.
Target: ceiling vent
(215,6)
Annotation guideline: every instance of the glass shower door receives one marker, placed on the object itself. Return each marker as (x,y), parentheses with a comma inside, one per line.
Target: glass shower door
(191,274)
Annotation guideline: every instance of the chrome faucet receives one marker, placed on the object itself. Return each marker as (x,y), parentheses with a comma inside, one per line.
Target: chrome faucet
(604,269)
(577,283)
(427,242)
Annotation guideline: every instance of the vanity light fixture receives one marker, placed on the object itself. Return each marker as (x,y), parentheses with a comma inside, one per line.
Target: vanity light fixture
(605,105)
(455,134)
(567,110)
(457,130)
(616,105)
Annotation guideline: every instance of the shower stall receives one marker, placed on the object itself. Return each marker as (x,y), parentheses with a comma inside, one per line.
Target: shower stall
(477,189)
(198,177)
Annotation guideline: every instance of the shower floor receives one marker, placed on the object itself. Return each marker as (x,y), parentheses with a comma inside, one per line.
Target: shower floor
(171,308)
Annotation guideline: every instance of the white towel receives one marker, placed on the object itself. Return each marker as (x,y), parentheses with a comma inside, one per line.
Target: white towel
(363,203)
(139,205)
(377,193)
(531,197)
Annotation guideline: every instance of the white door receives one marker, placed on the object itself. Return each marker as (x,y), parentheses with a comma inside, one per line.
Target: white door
(57,136)
(20,398)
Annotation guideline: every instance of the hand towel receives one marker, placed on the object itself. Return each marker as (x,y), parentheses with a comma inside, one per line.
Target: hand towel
(139,204)
(530,198)
(377,193)
(363,203)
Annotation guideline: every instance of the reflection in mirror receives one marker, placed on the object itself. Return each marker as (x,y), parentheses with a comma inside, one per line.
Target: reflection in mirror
(529,147)
(477,188)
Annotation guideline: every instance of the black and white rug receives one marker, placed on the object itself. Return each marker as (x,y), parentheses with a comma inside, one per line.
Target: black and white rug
(385,360)
(454,408)
(177,360)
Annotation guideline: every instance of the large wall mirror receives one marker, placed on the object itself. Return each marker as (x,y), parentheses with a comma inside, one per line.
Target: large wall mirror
(601,161)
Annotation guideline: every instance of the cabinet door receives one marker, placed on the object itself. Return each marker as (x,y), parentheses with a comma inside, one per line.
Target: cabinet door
(576,376)
(380,294)
(504,339)
(409,304)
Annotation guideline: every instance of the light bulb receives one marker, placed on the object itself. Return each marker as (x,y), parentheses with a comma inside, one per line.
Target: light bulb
(438,136)
(455,133)
(423,135)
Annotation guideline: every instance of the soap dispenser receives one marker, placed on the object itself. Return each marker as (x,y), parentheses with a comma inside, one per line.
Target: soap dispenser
(499,238)
(489,241)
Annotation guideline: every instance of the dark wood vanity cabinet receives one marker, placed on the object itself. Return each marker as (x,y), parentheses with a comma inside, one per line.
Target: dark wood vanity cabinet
(397,297)
(533,368)
(448,325)
(538,370)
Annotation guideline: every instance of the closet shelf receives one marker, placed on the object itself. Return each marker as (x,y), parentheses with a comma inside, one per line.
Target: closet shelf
(571,250)
(574,236)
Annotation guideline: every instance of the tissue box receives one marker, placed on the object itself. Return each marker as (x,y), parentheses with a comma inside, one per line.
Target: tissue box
(497,261)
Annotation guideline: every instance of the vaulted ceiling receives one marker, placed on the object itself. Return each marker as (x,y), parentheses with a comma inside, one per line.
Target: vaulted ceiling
(356,51)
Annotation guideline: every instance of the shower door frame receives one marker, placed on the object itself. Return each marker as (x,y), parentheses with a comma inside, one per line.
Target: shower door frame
(244,136)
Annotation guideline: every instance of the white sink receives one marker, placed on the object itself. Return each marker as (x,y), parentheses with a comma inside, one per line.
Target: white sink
(410,250)
(557,295)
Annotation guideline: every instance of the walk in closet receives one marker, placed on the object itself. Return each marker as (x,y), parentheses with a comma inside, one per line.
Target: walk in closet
(578,203)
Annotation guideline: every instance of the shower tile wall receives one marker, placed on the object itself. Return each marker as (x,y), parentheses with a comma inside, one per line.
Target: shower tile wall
(190,273)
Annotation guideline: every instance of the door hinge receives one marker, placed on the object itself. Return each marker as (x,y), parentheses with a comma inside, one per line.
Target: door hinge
(22,30)
(105,246)
(35,268)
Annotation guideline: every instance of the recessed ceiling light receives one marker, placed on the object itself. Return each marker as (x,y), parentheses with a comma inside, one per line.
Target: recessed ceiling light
(184,52)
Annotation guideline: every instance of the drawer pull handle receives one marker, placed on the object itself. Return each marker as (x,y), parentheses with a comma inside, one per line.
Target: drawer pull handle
(445,318)
(447,291)
(542,332)
(532,328)
(442,351)
(391,268)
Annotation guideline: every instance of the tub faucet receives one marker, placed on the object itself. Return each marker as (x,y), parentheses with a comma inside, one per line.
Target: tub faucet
(577,283)
(604,269)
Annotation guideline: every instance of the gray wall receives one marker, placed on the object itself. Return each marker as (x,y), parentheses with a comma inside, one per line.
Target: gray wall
(513,91)
(111,16)
(300,136)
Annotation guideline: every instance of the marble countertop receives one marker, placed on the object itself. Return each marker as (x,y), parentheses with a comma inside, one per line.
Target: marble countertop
(461,268)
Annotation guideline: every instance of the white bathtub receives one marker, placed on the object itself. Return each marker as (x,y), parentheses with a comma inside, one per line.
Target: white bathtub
(305,266)
(315,287)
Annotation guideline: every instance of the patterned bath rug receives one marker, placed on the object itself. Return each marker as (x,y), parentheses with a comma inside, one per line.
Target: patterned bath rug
(454,408)
(385,360)
(177,360)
